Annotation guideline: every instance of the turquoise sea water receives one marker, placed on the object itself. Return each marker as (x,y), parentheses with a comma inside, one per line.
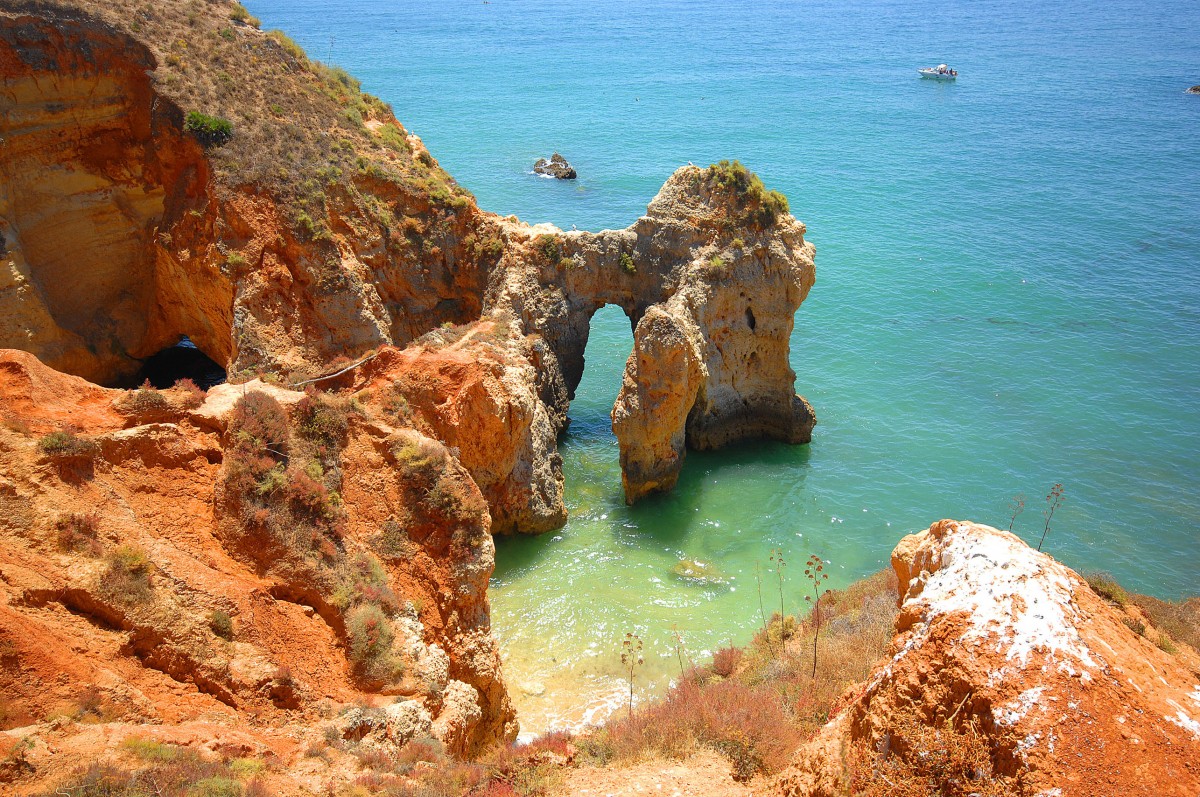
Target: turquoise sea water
(1008,281)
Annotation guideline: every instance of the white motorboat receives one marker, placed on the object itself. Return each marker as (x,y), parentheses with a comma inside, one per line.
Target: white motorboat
(939,72)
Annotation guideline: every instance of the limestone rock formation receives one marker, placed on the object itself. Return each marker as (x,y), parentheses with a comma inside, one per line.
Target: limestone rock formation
(122,234)
(1013,648)
(200,559)
(115,248)
(475,390)
(711,278)
(556,167)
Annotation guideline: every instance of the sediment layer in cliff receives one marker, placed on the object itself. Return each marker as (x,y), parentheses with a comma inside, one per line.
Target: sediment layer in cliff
(254,552)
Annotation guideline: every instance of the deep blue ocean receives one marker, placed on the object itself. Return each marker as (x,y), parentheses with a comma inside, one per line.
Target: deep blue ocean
(1007,296)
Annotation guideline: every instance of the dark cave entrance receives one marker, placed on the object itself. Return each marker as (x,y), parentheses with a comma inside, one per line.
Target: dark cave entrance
(181,361)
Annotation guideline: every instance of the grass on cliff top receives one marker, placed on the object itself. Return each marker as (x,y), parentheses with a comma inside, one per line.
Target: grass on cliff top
(284,122)
(155,769)
(1174,621)
(733,181)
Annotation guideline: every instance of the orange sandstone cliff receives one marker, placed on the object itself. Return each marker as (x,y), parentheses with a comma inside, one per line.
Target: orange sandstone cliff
(303,553)
(321,230)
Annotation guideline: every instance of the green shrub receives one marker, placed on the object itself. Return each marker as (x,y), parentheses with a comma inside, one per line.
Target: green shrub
(66,445)
(146,400)
(127,579)
(211,131)
(393,540)
(627,264)
(395,403)
(149,750)
(307,494)
(77,533)
(369,636)
(420,457)
(193,394)
(725,661)
(362,580)
(1107,587)
(240,15)
(732,178)
(221,624)
(321,419)
(450,497)
(272,481)
(289,46)
(1135,625)
(1180,620)
(247,767)
(259,423)
(219,786)
(550,248)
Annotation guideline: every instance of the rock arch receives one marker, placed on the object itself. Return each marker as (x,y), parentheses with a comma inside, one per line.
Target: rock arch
(712,299)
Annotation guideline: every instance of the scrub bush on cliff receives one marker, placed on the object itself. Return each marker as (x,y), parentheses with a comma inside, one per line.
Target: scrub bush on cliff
(211,131)
(322,420)
(127,579)
(732,180)
(369,636)
(67,446)
(258,436)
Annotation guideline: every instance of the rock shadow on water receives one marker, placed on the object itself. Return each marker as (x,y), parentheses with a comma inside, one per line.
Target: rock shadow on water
(671,519)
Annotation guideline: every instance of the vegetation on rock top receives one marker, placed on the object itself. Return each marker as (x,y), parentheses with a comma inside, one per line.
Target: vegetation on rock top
(732,180)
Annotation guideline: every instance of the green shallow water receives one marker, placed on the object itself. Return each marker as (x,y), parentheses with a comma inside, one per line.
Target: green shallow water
(1006,295)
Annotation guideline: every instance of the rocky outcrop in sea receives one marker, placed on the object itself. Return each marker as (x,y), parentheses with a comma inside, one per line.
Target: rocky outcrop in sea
(556,167)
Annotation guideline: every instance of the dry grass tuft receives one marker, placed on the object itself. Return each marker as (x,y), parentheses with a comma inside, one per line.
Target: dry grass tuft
(1180,620)
(913,759)
(756,706)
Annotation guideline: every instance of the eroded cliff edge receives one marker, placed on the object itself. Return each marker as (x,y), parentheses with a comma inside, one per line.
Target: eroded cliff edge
(296,246)
(1004,652)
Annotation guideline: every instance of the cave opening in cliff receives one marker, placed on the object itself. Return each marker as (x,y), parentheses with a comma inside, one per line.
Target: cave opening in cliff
(181,361)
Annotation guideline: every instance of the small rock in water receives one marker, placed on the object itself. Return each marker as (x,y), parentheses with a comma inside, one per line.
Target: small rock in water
(1194,90)
(533,688)
(556,167)
(697,570)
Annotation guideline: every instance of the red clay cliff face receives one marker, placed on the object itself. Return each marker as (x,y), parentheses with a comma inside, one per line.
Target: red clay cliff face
(134,521)
(95,169)
(1066,697)
(119,238)
(82,638)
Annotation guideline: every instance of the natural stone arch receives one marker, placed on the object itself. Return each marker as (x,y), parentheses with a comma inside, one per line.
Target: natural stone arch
(711,291)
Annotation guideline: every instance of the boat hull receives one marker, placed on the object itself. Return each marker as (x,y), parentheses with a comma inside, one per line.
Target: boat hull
(933,74)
